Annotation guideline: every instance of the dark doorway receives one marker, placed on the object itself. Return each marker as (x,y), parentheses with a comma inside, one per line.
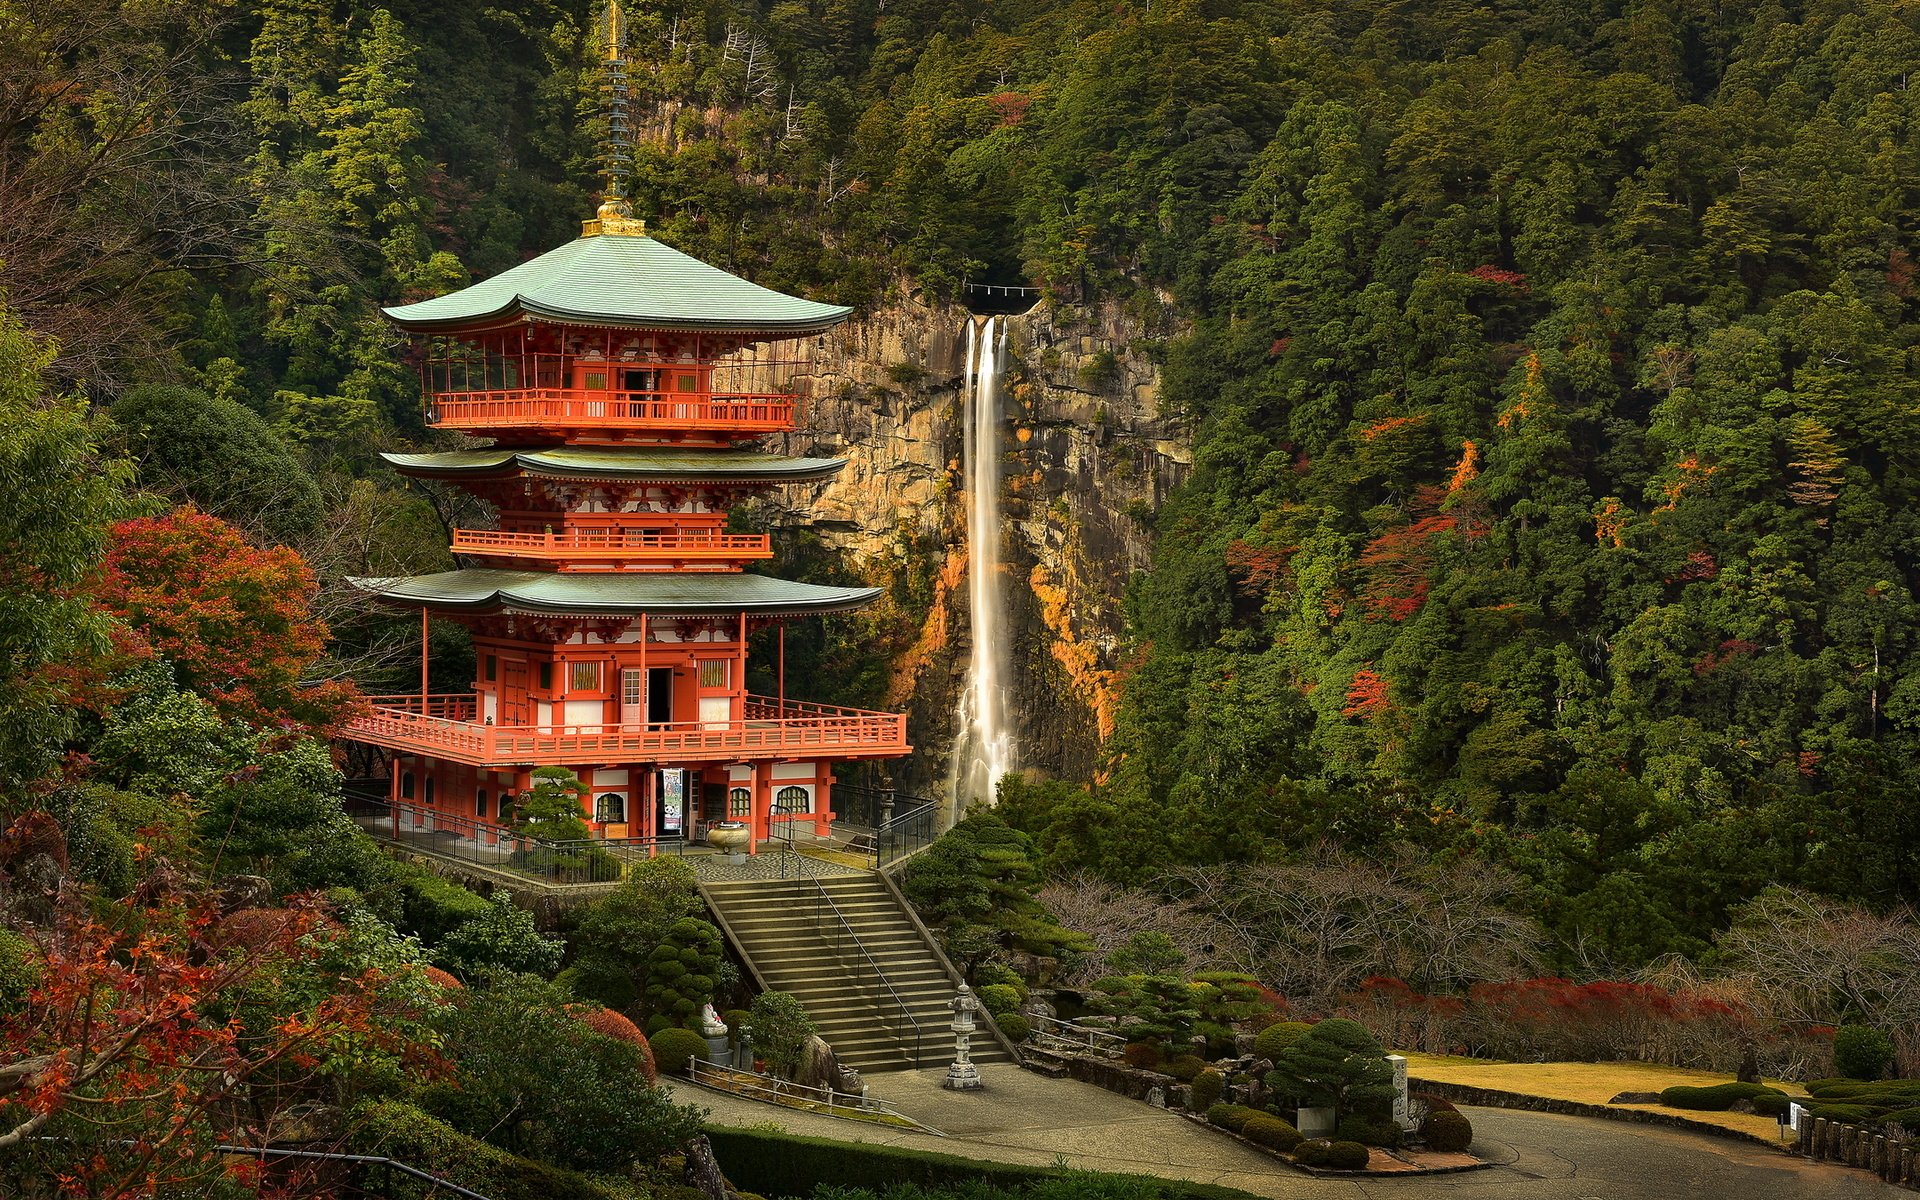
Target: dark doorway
(660,695)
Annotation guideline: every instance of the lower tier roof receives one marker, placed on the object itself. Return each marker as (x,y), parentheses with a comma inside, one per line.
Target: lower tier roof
(660,593)
(659,464)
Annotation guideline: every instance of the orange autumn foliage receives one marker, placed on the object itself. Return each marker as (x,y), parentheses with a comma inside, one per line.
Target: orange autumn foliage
(235,621)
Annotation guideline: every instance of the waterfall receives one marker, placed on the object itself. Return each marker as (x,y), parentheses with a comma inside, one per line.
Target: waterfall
(983,746)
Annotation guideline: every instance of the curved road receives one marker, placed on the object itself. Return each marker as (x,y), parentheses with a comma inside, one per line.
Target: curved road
(1025,1118)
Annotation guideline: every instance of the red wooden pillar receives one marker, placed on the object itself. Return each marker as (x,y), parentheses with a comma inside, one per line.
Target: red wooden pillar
(762,816)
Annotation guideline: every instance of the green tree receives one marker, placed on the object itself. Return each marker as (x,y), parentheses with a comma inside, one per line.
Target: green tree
(1336,1063)
(58,493)
(781,1030)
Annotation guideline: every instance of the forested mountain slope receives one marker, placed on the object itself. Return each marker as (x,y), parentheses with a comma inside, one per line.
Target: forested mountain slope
(1550,383)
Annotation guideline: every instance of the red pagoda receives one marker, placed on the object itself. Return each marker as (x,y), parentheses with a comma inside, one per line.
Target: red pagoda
(610,608)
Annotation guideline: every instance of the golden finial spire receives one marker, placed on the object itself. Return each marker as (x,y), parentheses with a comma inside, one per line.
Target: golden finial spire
(616,153)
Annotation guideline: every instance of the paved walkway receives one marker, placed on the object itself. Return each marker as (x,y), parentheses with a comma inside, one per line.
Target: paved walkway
(1026,1118)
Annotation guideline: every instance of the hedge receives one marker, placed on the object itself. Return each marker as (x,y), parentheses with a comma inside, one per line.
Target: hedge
(785,1164)
(1271,1132)
(406,1134)
(1718,1098)
(1231,1116)
(1340,1156)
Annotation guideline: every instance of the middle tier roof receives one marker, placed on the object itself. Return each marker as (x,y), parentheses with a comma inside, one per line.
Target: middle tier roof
(649,464)
(664,593)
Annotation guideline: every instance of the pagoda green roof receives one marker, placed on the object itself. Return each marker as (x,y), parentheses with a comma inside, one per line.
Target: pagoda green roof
(662,464)
(659,593)
(625,281)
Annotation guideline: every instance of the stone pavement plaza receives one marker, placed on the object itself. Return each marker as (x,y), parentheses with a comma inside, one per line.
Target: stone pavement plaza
(1026,1118)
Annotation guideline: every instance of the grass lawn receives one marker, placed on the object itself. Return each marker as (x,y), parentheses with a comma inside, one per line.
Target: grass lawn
(1591,1083)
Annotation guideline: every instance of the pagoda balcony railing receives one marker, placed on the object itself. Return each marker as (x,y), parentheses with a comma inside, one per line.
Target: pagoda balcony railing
(577,408)
(447,726)
(641,544)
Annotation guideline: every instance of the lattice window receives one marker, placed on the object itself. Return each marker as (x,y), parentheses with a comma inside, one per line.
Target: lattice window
(610,807)
(792,800)
(586,677)
(713,672)
(740,803)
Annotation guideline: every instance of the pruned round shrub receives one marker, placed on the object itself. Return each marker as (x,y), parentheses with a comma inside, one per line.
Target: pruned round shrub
(1142,1056)
(1717,1097)
(1369,1132)
(673,1047)
(1449,1132)
(1770,1106)
(1205,1093)
(1861,1052)
(1337,1156)
(1270,1043)
(1186,1068)
(1231,1116)
(999,998)
(607,1023)
(1014,1026)
(990,973)
(1845,1114)
(1271,1132)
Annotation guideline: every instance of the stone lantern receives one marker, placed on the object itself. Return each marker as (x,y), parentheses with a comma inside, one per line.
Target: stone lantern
(962,1075)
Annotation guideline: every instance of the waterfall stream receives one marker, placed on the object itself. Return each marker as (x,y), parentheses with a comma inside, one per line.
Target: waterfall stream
(983,745)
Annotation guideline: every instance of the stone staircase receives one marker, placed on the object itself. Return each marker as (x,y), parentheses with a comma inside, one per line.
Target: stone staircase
(773,927)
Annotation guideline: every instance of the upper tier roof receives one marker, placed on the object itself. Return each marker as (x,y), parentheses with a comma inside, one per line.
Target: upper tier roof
(665,593)
(626,281)
(662,464)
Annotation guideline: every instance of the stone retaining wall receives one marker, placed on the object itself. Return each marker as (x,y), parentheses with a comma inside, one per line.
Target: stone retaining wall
(1483,1097)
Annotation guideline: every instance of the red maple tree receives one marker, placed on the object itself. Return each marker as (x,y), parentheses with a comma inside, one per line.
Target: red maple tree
(234,620)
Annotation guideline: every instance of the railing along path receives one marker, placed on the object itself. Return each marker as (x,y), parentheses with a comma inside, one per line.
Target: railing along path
(842,937)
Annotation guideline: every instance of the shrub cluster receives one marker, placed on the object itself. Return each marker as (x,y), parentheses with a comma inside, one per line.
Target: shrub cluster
(1447,1131)
(1720,1097)
(1186,1068)
(1859,1102)
(1142,1056)
(1337,1156)
(1579,1022)
(1370,1132)
(1271,1132)
(1231,1116)
(1205,1093)
(1013,1025)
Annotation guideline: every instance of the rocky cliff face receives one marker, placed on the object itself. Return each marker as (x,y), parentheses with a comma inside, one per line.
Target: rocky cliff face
(1087,455)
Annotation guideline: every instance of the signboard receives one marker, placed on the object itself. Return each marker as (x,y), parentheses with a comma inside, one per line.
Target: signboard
(673,801)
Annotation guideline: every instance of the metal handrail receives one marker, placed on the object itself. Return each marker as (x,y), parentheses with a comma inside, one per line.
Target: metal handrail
(905,832)
(879,975)
(753,1085)
(1098,1041)
(501,848)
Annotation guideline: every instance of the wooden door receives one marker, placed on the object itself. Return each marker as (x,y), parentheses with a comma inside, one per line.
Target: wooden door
(513,692)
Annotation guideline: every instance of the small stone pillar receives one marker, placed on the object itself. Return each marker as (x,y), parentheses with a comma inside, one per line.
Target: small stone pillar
(962,1075)
(1399,1064)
